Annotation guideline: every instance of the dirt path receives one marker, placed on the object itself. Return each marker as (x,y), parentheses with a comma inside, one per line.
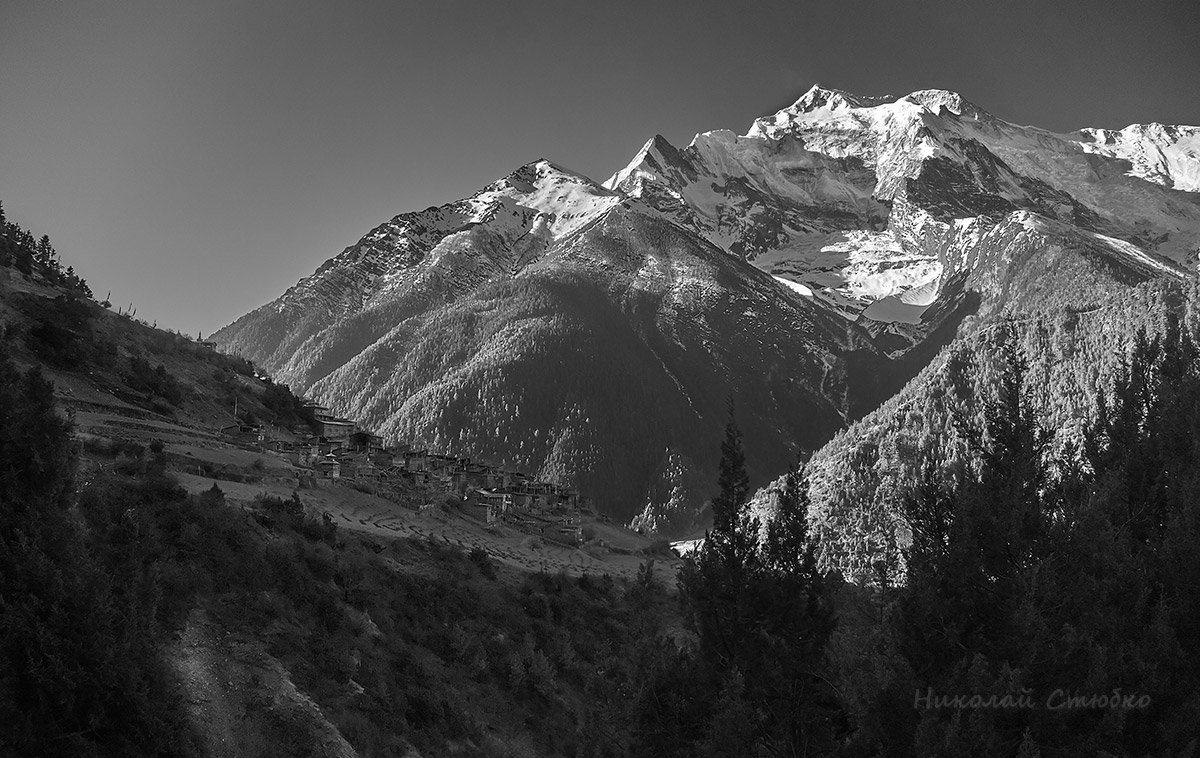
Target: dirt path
(240,701)
(195,659)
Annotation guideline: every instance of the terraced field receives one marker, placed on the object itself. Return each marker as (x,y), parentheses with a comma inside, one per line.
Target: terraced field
(616,551)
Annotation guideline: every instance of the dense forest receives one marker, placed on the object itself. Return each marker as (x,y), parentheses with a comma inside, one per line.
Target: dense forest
(1076,345)
(1057,585)
(1043,604)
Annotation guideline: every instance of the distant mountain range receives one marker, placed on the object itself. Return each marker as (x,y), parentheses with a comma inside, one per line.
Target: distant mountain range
(594,333)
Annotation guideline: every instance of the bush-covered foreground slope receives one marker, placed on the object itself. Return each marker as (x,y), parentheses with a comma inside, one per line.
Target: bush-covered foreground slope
(140,619)
(290,637)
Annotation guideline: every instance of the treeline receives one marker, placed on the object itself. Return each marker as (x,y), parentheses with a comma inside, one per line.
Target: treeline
(162,371)
(20,250)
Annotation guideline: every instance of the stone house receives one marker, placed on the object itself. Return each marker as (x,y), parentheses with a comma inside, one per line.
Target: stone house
(498,503)
(416,460)
(244,434)
(329,467)
(302,455)
(335,429)
(364,442)
(358,467)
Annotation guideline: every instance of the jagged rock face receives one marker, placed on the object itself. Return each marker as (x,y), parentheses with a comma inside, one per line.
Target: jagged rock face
(835,192)
(1166,155)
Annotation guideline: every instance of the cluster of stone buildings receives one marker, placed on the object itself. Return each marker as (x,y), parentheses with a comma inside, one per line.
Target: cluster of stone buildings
(340,450)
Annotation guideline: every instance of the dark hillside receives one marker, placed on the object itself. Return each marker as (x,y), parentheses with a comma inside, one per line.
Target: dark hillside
(140,619)
(610,361)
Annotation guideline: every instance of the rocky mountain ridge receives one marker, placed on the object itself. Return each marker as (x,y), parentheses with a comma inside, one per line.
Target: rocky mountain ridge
(835,233)
(870,202)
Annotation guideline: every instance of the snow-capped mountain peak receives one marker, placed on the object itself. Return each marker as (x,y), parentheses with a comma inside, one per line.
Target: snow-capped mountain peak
(565,200)
(849,112)
(853,199)
(827,98)
(657,152)
(936,99)
(859,199)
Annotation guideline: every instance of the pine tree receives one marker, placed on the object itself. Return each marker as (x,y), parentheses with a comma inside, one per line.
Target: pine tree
(44,252)
(788,548)
(789,676)
(732,479)
(718,580)
(762,620)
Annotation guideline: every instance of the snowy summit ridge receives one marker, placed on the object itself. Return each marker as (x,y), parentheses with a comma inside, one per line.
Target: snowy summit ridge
(862,199)
(818,97)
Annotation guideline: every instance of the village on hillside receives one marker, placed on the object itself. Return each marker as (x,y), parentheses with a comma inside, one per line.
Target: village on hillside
(336,448)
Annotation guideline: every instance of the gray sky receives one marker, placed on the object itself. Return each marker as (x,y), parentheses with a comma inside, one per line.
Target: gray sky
(197,158)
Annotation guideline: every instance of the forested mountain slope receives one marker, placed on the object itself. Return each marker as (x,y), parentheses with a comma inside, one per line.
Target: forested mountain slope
(601,354)
(1074,344)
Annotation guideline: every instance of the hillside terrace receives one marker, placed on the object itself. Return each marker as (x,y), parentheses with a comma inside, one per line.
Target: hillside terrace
(337,448)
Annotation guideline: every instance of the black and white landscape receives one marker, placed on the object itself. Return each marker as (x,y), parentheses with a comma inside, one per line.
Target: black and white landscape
(872,430)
